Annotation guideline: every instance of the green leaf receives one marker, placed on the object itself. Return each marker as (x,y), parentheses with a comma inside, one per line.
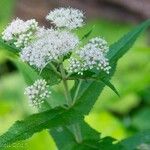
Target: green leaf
(136,141)
(118,49)
(103,144)
(88,33)
(65,138)
(110,85)
(22,130)
(8,46)
(50,76)
(107,144)
(90,94)
(29,74)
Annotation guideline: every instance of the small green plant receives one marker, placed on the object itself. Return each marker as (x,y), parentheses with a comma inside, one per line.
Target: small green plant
(47,57)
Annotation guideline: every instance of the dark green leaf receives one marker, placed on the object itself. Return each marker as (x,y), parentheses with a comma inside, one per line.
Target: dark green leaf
(90,94)
(22,130)
(107,144)
(65,138)
(50,76)
(137,141)
(110,85)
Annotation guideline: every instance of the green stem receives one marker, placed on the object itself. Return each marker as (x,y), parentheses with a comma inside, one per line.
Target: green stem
(76,127)
(77,91)
(66,89)
(54,69)
(77,133)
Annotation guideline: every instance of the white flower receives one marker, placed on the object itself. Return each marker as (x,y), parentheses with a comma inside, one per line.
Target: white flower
(37,93)
(49,47)
(20,32)
(66,17)
(90,56)
(75,66)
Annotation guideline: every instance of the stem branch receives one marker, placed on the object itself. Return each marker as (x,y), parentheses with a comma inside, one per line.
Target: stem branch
(76,127)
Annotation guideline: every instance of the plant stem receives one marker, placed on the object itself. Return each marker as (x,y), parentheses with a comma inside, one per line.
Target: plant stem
(66,89)
(54,69)
(77,133)
(76,127)
(77,91)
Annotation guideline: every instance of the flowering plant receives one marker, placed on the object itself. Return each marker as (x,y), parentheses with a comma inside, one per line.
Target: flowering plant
(57,56)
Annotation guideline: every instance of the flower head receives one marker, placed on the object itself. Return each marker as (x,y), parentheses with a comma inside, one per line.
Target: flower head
(37,93)
(66,17)
(90,56)
(49,47)
(20,32)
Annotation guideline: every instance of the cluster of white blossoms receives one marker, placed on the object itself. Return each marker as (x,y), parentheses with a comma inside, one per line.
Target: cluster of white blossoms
(49,47)
(37,93)
(66,18)
(40,46)
(20,32)
(90,56)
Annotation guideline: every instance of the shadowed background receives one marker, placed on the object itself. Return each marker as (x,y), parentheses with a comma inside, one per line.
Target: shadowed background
(112,116)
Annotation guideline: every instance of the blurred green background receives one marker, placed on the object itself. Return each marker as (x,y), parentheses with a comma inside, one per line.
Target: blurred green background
(114,116)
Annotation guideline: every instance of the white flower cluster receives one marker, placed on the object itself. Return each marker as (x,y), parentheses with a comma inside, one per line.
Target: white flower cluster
(66,17)
(90,56)
(20,32)
(37,93)
(49,47)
